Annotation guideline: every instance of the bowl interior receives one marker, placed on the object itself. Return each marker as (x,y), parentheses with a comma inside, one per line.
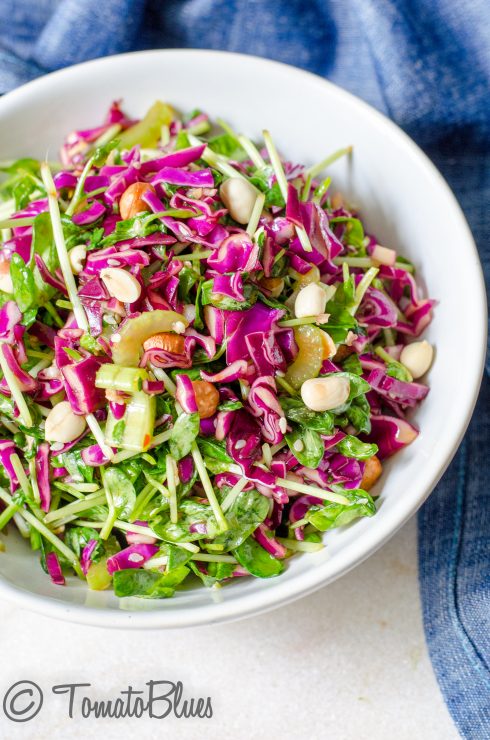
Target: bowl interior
(403,201)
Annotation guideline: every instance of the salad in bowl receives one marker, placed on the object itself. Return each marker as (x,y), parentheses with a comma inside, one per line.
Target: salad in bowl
(204,357)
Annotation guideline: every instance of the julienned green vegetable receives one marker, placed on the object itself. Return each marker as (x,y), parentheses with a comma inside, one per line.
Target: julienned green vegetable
(185,448)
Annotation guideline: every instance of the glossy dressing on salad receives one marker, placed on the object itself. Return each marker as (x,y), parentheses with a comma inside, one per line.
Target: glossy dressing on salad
(204,357)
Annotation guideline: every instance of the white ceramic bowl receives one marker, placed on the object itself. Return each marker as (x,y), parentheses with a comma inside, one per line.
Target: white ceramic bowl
(403,200)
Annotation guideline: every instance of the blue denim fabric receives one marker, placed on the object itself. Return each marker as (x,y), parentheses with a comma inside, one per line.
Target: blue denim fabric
(425,63)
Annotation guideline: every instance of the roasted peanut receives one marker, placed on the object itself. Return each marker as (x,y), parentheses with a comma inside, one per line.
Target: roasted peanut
(121,284)
(174,343)
(207,398)
(372,471)
(77,257)
(417,357)
(239,197)
(343,352)
(62,425)
(310,301)
(323,394)
(131,202)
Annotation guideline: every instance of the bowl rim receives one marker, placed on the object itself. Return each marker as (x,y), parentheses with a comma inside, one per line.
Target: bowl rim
(278,594)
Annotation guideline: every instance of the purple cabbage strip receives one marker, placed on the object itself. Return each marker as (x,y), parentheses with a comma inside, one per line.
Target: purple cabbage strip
(54,569)
(10,317)
(86,556)
(176,176)
(390,434)
(91,214)
(42,475)
(7,449)
(237,252)
(265,406)
(133,556)
(184,393)
(49,278)
(406,394)
(79,383)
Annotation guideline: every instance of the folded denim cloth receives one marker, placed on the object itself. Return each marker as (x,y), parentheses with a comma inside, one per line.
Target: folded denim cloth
(426,64)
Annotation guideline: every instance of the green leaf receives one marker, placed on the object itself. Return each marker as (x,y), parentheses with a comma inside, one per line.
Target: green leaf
(312,446)
(132,228)
(26,164)
(354,232)
(396,370)
(227,145)
(216,572)
(334,515)
(7,406)
(25,293)
(256,560)
(102,152)
(359,414)
(340,321)
(182,140)
(90,343)
(198,321)
(74,234)
(214,449)
(121,490)
(216,466)
(346,292)
(225,302)
(249,509)
(274,303)
(230,406)
(295,410)
(192,512)
(352,364)
(78,537)
(23,181)
(23,190)
(184,432)
(220,571)
(73,462)
(358,386)
(177,556)
(43,241)
(193,373)
(273,195)
(351,446)
(188,277)
(148,584)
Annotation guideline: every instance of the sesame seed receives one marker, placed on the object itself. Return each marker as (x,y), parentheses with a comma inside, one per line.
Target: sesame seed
(240,444)
(135,557)
(298,446)
(178,327)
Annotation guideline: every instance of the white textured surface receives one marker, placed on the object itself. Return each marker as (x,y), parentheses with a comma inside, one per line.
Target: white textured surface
(347,663)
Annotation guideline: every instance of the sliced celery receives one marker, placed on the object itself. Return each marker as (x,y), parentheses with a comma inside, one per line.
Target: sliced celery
(147,132)
(118,378)
(98,579)
(135,430)
(128,341)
